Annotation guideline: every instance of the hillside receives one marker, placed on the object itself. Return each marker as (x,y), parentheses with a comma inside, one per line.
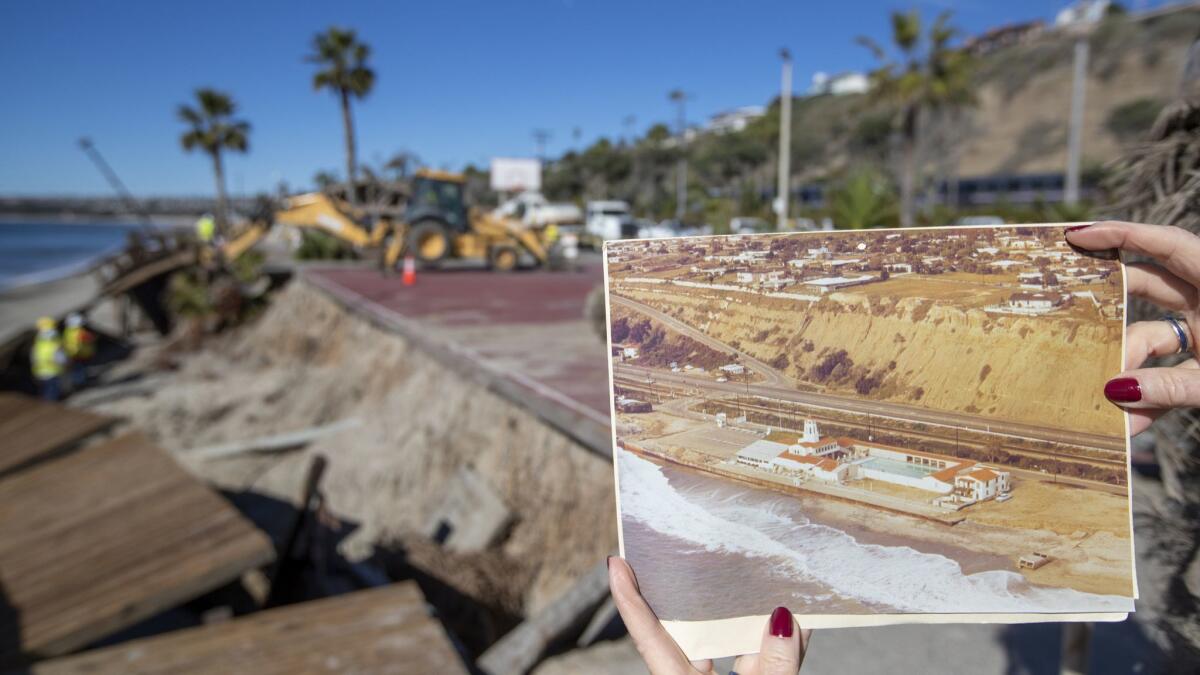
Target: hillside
(878,347)
(1018,125)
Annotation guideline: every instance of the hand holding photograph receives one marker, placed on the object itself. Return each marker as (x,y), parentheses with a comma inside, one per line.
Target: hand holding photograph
(869,427)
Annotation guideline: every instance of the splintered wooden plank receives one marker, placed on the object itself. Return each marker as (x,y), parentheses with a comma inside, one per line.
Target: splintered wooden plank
(32,430)
(382,630)
(96,540)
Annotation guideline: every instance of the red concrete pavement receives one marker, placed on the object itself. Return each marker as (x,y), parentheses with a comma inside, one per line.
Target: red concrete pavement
(525,329)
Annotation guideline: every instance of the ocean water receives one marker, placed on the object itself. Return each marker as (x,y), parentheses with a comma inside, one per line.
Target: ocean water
(708,549)
(36,252)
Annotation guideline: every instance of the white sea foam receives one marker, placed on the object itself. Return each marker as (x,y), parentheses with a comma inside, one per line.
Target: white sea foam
(759,525)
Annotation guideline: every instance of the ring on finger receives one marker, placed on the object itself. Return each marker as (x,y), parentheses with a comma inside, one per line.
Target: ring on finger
(1181,333)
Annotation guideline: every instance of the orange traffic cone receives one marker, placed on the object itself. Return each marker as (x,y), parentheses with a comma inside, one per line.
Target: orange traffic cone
(410,271)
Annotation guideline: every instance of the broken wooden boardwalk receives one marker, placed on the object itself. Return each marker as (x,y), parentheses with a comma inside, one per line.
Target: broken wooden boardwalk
(33,430)
(96,540)
(383,630)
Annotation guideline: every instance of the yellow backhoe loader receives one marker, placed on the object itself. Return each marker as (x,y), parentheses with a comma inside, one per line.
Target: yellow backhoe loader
(436,225)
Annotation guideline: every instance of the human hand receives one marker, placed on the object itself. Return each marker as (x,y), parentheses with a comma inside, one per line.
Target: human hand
(783,644)
(1173,284)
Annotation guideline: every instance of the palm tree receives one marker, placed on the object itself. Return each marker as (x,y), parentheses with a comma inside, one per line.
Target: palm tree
(927,76)
(212,129)
(344,72)
(863,200)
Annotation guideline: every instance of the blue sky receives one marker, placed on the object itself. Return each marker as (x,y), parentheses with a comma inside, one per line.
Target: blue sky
(458,81)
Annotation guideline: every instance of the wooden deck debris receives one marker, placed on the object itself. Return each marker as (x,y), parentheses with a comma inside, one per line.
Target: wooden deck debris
(98,539)
(520,649)
(32,430)
(277,443)
(382,630)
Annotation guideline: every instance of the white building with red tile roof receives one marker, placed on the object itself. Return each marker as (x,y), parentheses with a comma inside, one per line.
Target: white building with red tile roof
(981,483)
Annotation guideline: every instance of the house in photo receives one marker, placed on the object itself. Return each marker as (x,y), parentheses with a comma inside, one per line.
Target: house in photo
(981,483)
(831,284)
(734,368)
(1030,303)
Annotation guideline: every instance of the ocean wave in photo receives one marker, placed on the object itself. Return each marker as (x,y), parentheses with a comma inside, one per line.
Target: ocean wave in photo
(729,519)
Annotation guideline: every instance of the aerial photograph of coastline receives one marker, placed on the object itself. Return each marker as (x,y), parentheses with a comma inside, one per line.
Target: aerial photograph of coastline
(870,422)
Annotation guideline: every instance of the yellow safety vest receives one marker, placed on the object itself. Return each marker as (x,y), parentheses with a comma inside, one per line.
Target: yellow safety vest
(552,233)
(45,358)
(77,348)
(205,229)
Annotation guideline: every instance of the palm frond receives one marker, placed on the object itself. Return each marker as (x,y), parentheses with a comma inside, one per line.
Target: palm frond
(874,47)
(906,29)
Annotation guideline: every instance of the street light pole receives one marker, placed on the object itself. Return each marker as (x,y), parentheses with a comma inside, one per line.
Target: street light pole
(680,99)
(783,189)
(1075,129)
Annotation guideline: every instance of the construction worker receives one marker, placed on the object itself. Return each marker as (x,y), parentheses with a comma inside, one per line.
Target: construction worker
(550,234)
(206,229)
(80,346)
(47,358)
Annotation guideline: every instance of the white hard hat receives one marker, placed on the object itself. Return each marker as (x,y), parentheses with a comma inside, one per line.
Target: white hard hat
(75,319)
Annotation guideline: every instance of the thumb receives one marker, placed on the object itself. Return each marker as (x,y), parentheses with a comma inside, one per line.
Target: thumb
(1160,388)
(782,649)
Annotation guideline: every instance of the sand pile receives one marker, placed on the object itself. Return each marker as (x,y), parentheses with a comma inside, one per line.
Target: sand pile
(306,362)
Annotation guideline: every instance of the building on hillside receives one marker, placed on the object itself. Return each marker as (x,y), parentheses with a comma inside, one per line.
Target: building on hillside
(830,284)
(734,120)
(1030,303)
(839,84)
(1081,13)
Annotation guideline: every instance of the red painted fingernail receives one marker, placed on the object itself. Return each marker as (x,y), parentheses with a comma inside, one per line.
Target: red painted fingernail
(781,623)
(1076,228)
(1123,390)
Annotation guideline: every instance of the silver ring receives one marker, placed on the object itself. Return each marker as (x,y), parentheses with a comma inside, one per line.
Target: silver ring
(1181,334)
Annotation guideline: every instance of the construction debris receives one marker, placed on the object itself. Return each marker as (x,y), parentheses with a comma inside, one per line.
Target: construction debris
(470,517)
(98,539)
(383,630)
(275,443)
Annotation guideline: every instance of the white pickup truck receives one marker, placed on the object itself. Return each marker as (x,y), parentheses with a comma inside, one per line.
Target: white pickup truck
(534,210)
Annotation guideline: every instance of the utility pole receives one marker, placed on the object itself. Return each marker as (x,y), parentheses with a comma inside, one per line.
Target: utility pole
(1075,130)
(783,191)
(680,98)
(540,137)
(629,122)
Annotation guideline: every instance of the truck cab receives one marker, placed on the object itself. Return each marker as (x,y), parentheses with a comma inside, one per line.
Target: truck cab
(610,220)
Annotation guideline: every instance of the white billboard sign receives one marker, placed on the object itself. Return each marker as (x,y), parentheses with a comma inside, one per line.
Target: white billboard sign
(516,174)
